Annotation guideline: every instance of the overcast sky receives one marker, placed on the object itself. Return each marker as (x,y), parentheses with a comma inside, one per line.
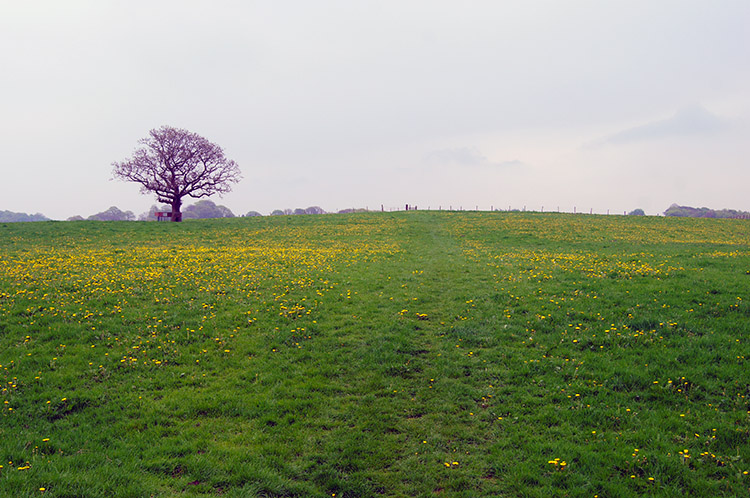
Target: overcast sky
(594,105)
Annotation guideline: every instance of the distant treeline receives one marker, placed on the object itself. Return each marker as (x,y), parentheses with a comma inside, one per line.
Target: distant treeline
(202,209)
(11,217)
(205,208)
(704,212)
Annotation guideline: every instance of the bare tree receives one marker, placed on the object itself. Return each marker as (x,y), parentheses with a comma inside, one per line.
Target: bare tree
(174,163)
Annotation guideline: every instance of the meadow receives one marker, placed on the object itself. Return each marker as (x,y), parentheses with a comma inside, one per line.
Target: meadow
(378,354)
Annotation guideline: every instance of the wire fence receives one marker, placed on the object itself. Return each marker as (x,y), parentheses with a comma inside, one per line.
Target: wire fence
(497,208)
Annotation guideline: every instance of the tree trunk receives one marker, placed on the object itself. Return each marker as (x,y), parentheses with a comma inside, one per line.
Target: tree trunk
(176,214)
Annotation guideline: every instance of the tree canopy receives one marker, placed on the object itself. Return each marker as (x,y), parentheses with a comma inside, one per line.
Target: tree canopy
(704,212)
(207,209)
(10,216)
(113,214)
(174,163)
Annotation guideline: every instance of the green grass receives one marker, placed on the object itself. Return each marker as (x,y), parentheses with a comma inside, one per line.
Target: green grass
(384,354)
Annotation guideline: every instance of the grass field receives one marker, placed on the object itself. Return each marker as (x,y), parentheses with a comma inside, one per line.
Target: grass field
(383,354)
